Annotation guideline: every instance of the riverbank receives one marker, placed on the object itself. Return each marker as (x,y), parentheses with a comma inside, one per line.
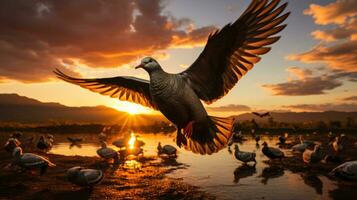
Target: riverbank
(149,181)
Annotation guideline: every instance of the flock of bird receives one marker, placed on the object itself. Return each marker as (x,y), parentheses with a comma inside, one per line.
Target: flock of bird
(128,145)
(336,145)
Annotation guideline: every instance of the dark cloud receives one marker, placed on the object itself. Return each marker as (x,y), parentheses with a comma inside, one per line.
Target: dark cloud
(37,36)
(309,84)
(324,107)
(351,98)
(229,108)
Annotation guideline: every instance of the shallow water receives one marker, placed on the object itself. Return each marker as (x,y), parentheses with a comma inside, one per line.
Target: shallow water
(221,174)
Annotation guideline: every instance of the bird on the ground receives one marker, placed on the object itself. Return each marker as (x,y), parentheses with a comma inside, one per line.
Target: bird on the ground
(31,161)
(167,149)
(102,136)
(44,144)
(302,145)
(120,143)
(331,136)
(272,152)
(307,142)
(339,143)
(299,147)
(108,153)
(228,55)
(283,138)
(244,156)
(257,139)
(11,144)
(74,139)
(84,177)
(50,138)
(237,136)
(314,156)
(347,170)
(261,115)
(16,134)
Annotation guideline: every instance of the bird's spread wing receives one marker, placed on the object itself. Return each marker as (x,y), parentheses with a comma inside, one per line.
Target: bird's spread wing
(125,88)
(232,51)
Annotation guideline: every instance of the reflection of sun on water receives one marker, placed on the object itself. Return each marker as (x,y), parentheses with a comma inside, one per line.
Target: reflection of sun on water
(130,108)
(132,141)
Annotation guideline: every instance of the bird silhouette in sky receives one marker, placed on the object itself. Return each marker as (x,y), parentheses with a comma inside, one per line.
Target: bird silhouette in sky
(266,114)
(228,55)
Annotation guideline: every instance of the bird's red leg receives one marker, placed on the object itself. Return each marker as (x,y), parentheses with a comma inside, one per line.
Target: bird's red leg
(188,129)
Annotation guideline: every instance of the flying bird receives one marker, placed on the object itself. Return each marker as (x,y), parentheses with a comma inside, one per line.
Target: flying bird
(261,115)
(228,55)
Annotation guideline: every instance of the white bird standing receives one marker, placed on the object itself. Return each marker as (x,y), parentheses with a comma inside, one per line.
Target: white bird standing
(228,55)
(244,156)
(84,177)
(31,161)
(347,170)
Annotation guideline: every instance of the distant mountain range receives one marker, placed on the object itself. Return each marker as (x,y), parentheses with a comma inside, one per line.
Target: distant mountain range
(20,109)
(300,116)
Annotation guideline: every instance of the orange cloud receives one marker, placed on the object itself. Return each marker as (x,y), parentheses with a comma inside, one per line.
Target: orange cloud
(300,73)
(37,36)
(334,13)
(324,107)
(344,31)
(310,84)
(342,56)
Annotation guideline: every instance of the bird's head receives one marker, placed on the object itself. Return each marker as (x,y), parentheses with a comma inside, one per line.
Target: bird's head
(236,147)
(149,64)
(265,144)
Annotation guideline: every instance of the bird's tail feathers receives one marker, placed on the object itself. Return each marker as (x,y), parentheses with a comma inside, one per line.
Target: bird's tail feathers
(219,133)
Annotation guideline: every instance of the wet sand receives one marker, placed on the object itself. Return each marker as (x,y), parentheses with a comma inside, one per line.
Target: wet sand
(147,182)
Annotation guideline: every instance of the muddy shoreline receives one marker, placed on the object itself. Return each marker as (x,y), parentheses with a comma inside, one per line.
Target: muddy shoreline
(147,182)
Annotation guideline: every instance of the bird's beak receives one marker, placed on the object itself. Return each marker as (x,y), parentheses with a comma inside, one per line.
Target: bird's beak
(139,66)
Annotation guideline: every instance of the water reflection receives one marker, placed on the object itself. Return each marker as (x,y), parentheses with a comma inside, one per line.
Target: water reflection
(313,181)
(75,145)
(244,171)
(271,172)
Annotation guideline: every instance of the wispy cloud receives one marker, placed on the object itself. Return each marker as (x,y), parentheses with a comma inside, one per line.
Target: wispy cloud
(310,82)
(323,107)
(229,108)
(350,98)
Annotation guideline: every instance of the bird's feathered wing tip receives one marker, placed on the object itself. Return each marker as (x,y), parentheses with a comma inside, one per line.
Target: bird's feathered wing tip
(221,133)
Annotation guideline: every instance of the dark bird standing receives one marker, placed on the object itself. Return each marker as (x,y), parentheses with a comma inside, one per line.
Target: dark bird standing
(228,55)
(271,152)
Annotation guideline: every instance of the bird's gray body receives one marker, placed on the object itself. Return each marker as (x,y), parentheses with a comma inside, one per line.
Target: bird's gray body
(176,99)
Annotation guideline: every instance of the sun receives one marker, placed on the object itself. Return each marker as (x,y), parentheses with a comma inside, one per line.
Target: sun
(130,108)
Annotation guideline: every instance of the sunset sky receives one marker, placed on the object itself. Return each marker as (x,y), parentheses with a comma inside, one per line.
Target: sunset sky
(313,67)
